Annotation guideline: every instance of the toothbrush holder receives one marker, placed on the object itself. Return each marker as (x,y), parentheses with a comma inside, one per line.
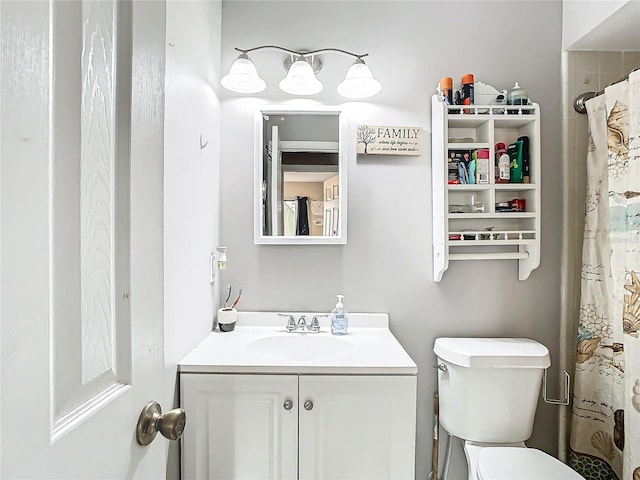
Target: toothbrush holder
(227,319)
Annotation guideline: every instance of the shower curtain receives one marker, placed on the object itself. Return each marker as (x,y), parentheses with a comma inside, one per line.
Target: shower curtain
(605,423)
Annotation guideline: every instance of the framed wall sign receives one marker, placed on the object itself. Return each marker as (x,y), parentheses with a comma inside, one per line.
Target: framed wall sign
(389,140)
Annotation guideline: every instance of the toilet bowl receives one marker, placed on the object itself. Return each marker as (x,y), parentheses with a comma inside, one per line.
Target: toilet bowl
(488,392)
(515,463)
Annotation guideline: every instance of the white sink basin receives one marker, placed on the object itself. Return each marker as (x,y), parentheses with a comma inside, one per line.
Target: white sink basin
(259,344)
(300,347)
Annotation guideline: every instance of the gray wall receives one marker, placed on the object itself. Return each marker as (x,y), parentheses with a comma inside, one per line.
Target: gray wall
(386,265)
(191,184)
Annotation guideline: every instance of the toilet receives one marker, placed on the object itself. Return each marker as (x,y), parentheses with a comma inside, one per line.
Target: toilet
(488,392)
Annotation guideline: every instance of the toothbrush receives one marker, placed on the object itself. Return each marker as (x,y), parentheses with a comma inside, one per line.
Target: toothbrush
(228,295)
(237,299)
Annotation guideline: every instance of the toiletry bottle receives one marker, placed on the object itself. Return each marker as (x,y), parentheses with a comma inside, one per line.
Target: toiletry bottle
(515,153)
(339,318)
(445,89)
(518,95)
(526,178)
(471,166)
(503,163)
(481,158)
(466,90)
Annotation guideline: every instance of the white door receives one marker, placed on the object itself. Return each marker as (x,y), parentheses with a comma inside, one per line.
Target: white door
(241,427)
(81,237)
(276,184)
(357,427)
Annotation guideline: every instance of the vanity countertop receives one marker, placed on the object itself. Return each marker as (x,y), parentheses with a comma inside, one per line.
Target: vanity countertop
(260,344)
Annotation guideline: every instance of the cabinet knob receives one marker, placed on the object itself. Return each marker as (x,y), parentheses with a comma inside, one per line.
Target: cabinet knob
(308,405)
(288,405)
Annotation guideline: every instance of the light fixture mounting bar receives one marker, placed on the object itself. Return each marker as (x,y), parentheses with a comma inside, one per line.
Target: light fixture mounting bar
(299,53)
(302,67)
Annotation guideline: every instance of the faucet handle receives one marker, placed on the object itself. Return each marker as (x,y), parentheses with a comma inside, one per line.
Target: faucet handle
(315,324)
(291,323)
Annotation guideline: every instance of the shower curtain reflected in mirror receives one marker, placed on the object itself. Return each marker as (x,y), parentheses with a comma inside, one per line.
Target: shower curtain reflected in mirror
(289,218)
(296,216)
(605,422)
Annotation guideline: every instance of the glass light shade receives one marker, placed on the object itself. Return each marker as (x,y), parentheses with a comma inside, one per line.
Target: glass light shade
(243,77)
(301,80)
(359,82)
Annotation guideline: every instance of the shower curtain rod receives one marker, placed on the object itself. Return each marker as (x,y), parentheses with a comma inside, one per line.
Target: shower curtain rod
(579,102)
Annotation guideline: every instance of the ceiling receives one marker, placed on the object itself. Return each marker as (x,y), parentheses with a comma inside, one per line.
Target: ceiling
(619,32)
(308,177)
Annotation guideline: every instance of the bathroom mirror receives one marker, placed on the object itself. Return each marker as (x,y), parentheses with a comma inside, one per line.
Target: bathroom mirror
(300,191)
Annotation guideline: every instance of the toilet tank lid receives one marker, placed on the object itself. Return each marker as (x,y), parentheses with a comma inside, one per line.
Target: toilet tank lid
(492,352)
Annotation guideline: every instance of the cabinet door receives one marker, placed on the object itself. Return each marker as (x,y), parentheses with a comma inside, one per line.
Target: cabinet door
(238,426)
(359,427)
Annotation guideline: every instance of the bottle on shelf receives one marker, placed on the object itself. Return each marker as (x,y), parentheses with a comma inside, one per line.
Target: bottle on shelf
(515,154)
(503,162)
(526,178)
(465,95)
(518,96)
(445,90)
(481,157)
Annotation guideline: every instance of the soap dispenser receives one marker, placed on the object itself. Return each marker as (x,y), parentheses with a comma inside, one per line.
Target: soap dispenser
(339,318)
(518,96)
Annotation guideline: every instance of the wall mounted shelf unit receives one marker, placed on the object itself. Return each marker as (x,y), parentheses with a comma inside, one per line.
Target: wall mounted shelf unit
(484,232)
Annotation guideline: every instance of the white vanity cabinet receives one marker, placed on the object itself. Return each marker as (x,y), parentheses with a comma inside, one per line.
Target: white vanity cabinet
(460,230)
(359,427)
(262,426)
(238,426)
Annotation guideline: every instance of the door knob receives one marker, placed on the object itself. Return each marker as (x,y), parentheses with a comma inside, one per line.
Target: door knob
(151,421)
(288,405)
(308,405)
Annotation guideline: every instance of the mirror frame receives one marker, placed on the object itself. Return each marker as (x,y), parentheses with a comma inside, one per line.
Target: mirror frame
(343,159)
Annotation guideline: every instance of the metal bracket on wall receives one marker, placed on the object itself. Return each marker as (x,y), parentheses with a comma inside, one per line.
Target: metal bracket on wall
(566,389)
(212,268)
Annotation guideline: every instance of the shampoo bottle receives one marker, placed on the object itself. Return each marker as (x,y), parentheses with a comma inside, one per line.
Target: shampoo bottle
(515,153)
(339,318)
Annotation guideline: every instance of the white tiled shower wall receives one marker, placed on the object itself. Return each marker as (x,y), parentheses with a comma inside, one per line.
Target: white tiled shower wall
(582,71)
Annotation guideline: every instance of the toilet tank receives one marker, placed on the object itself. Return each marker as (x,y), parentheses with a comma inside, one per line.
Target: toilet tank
(488,387)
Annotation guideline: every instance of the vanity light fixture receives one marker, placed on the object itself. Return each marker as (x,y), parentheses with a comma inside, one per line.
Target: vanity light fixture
(359,82)
(243,77)
(301,78)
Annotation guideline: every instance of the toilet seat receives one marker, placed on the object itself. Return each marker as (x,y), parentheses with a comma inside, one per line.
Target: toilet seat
(516,463)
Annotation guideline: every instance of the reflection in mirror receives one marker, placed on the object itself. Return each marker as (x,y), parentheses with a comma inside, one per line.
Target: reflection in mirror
(299,167)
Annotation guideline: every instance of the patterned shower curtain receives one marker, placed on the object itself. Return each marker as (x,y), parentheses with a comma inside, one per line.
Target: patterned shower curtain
(605,424)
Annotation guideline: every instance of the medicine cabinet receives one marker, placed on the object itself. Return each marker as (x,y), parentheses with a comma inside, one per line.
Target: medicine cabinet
(469,220)
(300,176)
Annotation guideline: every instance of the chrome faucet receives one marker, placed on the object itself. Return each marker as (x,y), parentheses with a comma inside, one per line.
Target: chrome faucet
(315,324)
(291,323)
(301,326)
